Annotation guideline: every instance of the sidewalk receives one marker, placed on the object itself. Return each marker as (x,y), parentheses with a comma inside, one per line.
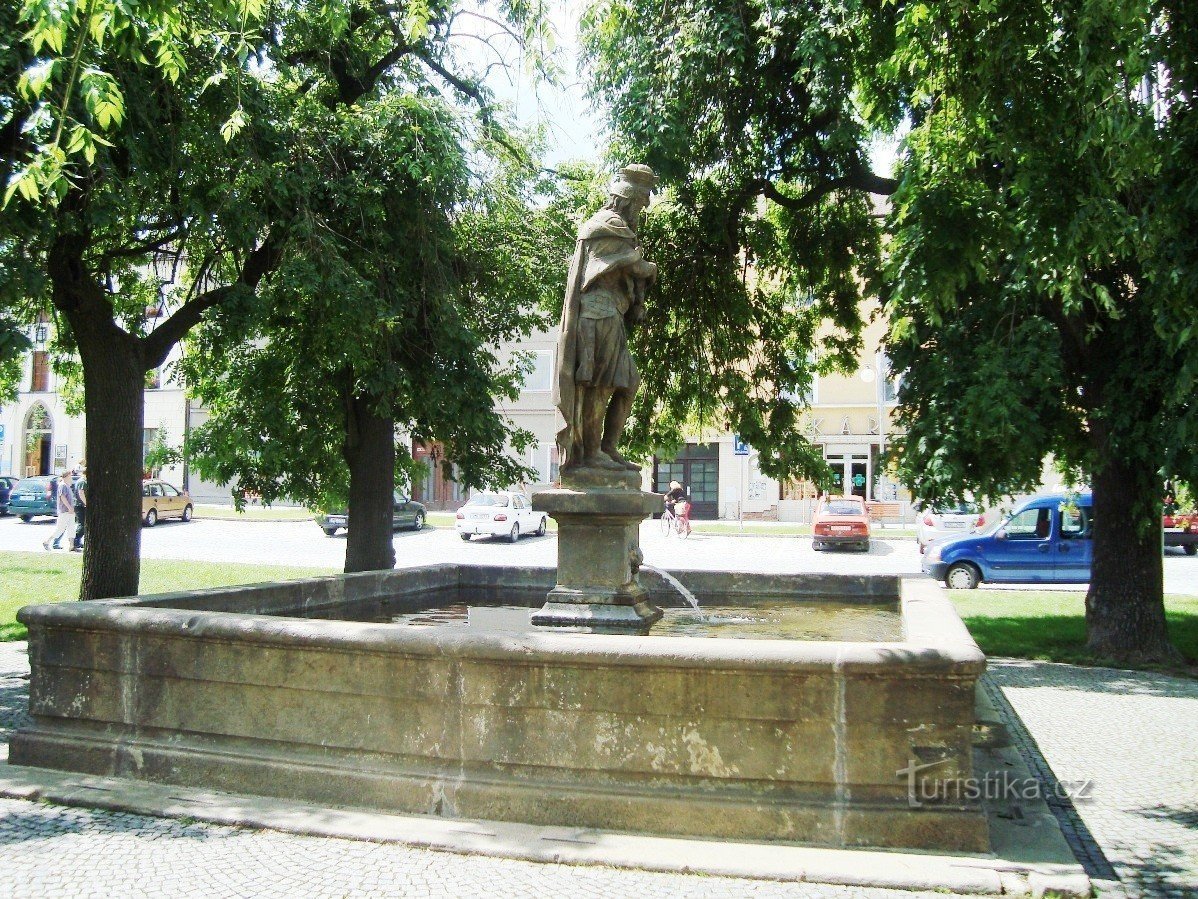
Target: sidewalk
(1131,734)
(1134,737)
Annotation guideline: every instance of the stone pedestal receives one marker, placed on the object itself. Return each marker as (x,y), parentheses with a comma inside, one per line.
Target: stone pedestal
(598,554)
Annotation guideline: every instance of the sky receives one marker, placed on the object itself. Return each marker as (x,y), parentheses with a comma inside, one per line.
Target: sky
(574,131)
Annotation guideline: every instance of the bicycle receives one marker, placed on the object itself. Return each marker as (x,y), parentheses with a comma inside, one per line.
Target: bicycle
(672,523)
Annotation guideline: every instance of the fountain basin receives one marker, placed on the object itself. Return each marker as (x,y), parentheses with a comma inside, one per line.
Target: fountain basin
(749,739)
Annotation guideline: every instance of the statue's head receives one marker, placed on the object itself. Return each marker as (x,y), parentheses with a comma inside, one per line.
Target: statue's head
(630,192)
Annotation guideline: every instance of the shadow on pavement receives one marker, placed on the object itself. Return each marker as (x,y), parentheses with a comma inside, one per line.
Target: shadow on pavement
(1019,673)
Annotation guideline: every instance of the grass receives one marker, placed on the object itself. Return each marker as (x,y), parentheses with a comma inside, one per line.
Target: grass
(30,578)
(1050,625)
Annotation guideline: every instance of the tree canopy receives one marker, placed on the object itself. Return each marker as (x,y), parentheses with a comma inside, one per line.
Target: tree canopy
(160,155)
(766,235)
(1037,259)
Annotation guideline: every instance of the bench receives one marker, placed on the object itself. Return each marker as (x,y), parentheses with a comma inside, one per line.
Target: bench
(884,511)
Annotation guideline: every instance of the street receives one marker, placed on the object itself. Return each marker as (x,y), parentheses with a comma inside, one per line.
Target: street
(301,543)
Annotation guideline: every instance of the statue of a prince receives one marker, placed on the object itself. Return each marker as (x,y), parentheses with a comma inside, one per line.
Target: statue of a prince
(605,293)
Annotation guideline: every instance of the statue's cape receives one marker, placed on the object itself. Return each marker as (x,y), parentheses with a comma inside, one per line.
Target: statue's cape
(605,243)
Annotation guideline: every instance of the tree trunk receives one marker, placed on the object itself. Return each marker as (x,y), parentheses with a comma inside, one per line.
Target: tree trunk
(1125,607)
(370,454)
(114,387)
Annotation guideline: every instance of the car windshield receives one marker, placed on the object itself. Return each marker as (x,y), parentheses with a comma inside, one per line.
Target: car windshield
(488,499)
(844,507)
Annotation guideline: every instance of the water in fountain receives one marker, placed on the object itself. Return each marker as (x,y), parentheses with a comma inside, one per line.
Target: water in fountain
(675,583)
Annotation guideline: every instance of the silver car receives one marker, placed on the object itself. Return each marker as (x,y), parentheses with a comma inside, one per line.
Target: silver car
(935,522)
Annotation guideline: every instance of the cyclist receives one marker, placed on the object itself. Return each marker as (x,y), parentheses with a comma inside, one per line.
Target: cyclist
(675,494)
(677,503)
(682,509)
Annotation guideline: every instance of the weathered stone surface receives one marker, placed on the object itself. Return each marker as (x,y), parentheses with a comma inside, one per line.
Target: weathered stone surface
(599,553)
(739,739)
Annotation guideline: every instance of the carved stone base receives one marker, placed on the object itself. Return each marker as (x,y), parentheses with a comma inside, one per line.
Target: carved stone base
(599,552)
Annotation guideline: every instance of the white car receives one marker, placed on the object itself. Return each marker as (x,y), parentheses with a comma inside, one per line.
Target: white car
(946,521)
(505,513)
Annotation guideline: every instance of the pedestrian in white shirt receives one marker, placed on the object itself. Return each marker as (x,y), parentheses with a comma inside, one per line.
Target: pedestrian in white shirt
(65,503)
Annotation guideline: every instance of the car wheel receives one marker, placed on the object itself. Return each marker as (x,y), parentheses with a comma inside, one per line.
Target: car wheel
(418,525)
(514,535)
(27,518)
(865,546)
(465,537)
(1191,549)
(151,518)
(818,547)
(187,513)
(329,532)
(544,526)
(962,576)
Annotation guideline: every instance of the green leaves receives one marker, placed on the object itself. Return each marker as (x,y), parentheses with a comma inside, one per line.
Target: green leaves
(77,56)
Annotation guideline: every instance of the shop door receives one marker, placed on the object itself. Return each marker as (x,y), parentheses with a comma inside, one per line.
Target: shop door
(697,468)
(858,479)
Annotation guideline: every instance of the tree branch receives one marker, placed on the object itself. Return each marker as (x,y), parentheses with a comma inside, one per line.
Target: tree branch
(862,179)
(261,261)
(156,244)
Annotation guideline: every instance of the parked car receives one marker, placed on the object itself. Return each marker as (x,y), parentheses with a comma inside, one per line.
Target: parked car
(840,521)
(1181,529)
(935,522)
(34,496)
(6,485)
(162,500)
(498,514)
(405,513)
(1047,539)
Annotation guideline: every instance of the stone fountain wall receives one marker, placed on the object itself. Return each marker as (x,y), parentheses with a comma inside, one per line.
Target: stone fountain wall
(735,739)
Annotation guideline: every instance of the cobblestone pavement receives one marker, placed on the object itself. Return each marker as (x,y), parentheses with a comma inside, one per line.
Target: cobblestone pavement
(1133,736)
(49,851)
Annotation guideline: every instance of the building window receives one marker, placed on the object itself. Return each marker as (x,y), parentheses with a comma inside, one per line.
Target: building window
(153,379)
(40,381)
(540,377)
(147,440)
(890,381)
(810,396)
(543,458)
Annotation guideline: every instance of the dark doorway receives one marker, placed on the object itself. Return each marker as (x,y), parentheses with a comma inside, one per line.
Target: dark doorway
(37,442)
(697,468)
(860,479)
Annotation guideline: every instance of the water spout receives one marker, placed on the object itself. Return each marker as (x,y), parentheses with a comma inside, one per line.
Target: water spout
(675,583)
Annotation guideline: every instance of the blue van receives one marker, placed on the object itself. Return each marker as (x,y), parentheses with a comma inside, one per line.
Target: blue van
(1048,539)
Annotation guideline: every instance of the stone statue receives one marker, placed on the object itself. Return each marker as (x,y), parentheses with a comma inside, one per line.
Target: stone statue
(605,294)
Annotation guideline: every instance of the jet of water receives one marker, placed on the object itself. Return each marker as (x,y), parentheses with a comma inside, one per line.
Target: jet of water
(675,583)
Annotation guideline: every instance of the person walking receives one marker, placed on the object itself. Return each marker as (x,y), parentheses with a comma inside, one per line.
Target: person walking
(80,507)
(64,502)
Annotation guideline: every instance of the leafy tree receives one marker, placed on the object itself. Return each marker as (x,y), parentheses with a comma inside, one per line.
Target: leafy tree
(151,143)
(765,235)
(1040,272)
(1034,275)
(160,453)
(354,336)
